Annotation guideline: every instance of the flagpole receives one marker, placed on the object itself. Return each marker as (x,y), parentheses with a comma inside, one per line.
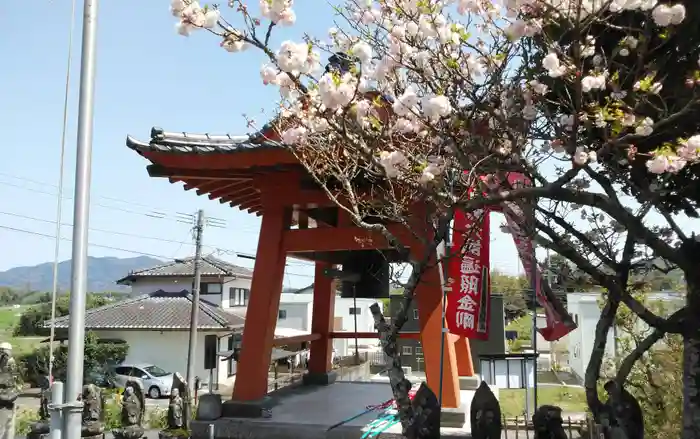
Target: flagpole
(533,282)
(81,217)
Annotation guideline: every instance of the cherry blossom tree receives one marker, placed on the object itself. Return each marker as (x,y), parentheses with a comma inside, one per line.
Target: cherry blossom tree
(595,101)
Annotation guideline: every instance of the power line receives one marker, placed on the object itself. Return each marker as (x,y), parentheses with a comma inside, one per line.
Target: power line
(94,229)
(46,235)
(154,238)
(151,213)
(109,247)
(43,183)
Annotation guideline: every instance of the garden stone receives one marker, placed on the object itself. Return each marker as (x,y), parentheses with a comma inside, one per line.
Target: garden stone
(210,407)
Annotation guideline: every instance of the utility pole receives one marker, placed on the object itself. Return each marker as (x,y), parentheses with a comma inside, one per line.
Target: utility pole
(194,316)
(81,218)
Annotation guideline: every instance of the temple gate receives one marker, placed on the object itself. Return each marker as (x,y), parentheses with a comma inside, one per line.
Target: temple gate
(267,180)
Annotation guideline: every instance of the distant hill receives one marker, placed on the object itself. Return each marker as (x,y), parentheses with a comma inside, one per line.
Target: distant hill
(102,274)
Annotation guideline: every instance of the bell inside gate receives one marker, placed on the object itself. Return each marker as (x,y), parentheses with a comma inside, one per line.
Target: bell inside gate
(373,269)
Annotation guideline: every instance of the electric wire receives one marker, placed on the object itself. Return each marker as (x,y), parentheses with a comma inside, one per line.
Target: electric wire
(218,250)
(151,212)
(59,197)
(109,247)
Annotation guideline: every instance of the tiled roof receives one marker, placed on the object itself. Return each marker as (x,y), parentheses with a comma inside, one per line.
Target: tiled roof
(185,143)
(159,310)
(210,266)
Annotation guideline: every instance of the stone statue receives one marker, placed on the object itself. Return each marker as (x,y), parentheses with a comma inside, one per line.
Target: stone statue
(92,412)
(548,423)
(40,429)
(426,410)
(624,414)
(9,391)
(177,410)
(133,412)
(485,414)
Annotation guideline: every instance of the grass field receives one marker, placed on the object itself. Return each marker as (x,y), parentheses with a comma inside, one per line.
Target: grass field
(570,399)
(9,316)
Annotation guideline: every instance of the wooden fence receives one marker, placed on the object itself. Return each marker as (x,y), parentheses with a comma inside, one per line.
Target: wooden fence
(520,428)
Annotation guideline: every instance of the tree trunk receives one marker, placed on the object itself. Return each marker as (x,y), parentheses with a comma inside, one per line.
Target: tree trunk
(691,354)
(606,321)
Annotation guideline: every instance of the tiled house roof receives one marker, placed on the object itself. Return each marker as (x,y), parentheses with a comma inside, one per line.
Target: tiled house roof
(156,311)
(210,266)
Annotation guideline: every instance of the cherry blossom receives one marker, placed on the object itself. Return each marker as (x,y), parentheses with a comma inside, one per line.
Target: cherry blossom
(553,66)
(278,11)
(645,128)
(422,55)
(392,162)
(436,107)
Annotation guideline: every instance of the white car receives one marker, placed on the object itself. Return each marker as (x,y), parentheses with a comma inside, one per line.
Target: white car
(156,381)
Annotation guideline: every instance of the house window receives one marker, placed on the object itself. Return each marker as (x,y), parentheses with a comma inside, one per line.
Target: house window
(355,311)
(238,296)
(415,314)
(210,288)
(282,314)
(406,350)
(419,350)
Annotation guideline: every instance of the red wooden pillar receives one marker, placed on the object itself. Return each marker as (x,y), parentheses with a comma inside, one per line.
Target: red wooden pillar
(428,296)
(263,307)
(322,321)
(463,352)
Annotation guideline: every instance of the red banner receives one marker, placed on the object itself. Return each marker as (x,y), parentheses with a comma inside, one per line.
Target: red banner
(468,306)
(559,322)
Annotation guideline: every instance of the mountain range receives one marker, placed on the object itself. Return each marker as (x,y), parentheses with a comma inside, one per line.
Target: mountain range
(103,273)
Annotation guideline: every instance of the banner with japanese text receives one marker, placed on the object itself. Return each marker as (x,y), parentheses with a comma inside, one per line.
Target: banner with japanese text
(468,306)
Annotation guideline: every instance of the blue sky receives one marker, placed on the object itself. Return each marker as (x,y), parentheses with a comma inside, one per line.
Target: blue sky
(146,75)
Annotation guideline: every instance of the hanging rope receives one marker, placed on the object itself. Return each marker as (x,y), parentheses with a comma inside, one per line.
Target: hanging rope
(444,282)
(59,201)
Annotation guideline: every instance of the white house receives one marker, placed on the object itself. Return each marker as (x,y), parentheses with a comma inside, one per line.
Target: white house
(585,309)
(296,310)
(155,321)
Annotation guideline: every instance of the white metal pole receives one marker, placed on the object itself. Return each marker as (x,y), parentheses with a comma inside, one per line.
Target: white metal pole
(56,413)
(81,219)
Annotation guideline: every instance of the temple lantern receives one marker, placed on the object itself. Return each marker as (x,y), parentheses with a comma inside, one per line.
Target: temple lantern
(373,268)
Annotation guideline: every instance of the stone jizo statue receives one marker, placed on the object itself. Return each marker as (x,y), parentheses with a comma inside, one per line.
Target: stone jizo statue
(548,423)
(485,414)
(9,391)
(133,410)
(177,410)
(40,429)
(93,405)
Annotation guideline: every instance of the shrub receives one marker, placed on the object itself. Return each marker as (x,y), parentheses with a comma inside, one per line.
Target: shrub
(98,356)
(32,320)
(156,417)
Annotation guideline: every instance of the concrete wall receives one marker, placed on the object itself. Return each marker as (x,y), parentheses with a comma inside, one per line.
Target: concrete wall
(361,372)
(294,315)
(168,350)
(585,310)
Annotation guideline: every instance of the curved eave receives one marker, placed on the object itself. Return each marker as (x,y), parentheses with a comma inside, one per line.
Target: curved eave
(223,167)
